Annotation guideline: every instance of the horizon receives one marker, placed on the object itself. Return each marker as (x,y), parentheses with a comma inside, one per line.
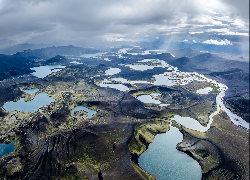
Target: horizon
(216,25)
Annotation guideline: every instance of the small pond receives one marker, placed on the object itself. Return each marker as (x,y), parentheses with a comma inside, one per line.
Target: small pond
(204,91)
(31,91)
(112,71)
(148,99)
(106,59)
(29,106)
(120,87)
(151,99)
(76,62)
(163,80)
(92,55)
(6,148)
(190,123)
(83,108)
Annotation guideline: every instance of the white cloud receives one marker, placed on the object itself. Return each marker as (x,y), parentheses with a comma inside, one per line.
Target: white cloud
(116,37)
(227,31)
(49,21)
(234,33)
(222,42)
(218,30)
(238,22)
(207,20)
(200,32)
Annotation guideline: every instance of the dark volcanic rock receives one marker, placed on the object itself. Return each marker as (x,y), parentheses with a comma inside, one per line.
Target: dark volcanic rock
(11,93)
(52,154)
(60,114)
(2,113)
(14,66)
(135,108)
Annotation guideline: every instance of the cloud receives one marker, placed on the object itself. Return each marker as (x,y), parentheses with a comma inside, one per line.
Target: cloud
(216,42)
(206,20)
(234,33)
(200,32)
(238,8)
(77,21)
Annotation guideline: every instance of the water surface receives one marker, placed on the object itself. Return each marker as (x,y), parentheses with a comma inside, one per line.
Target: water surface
(43,71)
(96,55)
(190,123)
(112,71)
(76,62)
(119,87)
(83,108)
(175,77)
(165,162)
(163,80)
(204,90)
(31,91)
(29,106)
(6,148)
(148,99)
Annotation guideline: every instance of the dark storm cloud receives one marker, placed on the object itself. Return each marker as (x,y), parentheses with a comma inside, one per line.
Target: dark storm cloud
(48,21)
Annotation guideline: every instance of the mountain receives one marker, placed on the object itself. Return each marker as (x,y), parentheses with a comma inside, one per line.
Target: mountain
(56,60)
(186,52)
(49,52)
(13,66)
(21,47)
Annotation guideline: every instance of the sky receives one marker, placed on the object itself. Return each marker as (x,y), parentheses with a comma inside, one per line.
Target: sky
(207,22)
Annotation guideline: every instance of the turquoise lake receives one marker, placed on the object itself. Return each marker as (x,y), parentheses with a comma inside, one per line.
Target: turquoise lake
(6,148)
(83,108)
(165,162)
(29,106)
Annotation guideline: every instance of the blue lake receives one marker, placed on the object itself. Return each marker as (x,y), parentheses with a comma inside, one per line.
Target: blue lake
(165,162)
(191,123)
(112,71)
(29,106)
(31,91)
(6,148)
(79,108)
(43,71)
(96,55)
